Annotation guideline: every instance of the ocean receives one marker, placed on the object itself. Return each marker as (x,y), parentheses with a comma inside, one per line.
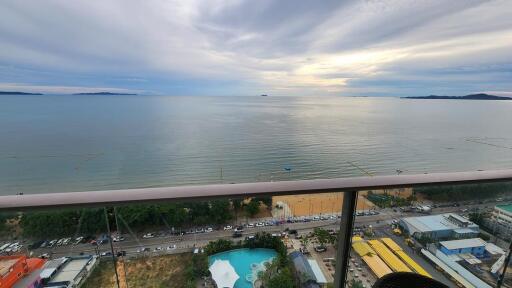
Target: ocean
(61,143)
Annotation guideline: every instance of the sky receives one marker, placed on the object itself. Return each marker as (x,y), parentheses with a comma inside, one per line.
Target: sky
(286,47)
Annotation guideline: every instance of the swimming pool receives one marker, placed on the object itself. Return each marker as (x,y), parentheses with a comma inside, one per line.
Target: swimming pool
(246,263)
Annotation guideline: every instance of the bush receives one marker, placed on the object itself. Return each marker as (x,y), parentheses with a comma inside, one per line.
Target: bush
(218,246)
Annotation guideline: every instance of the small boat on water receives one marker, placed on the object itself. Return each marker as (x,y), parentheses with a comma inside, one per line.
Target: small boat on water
(264,95)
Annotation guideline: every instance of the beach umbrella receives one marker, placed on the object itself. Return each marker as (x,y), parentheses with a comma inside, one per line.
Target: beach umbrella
(223,274)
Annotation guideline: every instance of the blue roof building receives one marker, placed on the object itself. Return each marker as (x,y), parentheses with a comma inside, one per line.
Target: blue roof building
(474,246)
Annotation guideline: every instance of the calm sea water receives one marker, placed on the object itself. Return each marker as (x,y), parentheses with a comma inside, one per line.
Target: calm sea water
(61,143)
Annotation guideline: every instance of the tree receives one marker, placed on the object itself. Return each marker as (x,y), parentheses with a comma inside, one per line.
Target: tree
(323,236)
(356,284)
(252,208)
(283,279)
(267,200)
(276,276)
(200,265)
(3,222)
(220,245)
(220,211)
(305,241)
(49,224)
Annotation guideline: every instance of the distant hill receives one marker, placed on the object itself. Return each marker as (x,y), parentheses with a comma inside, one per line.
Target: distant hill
(17,93)
(480,96)
(103,93)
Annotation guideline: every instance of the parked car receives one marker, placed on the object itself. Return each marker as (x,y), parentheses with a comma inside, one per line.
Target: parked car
(172,247)
(237,234)
(260,224)
(227,227)
(52,243)
(159,248)
(148,235)
(320,248)
(121,253)
(250,225)
(106,254)
(102,240)
(118,239)
(78,240)
(44,256)
(209,229)
(44,244)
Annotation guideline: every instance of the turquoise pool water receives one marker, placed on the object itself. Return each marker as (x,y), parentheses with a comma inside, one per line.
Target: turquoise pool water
(244,260)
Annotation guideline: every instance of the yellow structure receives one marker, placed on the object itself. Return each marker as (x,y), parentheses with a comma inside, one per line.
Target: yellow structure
(370,257)
(393,262)
(404,257)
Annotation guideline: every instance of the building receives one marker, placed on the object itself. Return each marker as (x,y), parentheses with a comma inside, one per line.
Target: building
(502,220)
(307,276)
(474,246)
(440,227)
(503,214)
(68,271)
(14,270)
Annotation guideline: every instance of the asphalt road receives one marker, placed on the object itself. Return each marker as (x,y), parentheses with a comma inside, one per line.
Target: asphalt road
(187,242)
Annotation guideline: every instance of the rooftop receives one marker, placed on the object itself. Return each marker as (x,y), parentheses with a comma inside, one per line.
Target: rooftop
(439,222)
(463,243)
(506,207)
(71,269)
(6,264)
(319,275)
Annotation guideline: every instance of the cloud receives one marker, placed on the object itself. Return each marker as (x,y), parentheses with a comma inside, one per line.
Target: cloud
(385,47)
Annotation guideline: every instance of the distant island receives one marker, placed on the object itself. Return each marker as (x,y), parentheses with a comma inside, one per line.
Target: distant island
(17,93)
(480,96)
(103,93)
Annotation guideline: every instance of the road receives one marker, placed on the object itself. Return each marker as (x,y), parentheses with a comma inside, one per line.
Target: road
(188,241)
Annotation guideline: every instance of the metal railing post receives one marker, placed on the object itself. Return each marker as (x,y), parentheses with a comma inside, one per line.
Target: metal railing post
(344,237)
(109,235)
(507,261)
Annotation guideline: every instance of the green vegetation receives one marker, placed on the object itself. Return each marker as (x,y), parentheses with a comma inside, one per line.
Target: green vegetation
(57,223)
(386,200)
(356,284)
(323,236)
(252,208)
(276,276)
(3,222)
(197,269)
(218,246)
(138,217)
(464,192)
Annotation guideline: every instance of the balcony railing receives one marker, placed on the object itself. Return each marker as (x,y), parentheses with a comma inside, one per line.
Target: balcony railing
(349,187)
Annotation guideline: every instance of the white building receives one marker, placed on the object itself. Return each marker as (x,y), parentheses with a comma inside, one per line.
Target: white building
(68,272)
(503,214)
(438,227)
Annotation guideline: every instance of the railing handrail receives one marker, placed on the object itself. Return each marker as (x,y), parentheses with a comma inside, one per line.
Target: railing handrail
(205,192)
